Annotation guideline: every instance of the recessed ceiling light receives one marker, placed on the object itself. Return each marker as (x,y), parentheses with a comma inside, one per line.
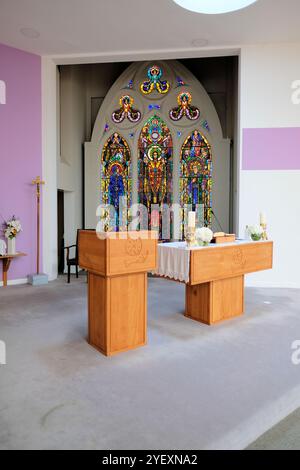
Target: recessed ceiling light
(214,7)
(199,42)
(30,33)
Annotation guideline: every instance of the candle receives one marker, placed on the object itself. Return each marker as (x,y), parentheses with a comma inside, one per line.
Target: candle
(263,219)
(192,219)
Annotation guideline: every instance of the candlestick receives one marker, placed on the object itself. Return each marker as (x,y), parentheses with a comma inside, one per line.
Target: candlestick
(263,219)
(190,236)
(192,219)
(264,228)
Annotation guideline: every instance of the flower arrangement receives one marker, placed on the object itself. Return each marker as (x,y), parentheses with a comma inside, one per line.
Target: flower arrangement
(12,227)
(204,236)
(255,232)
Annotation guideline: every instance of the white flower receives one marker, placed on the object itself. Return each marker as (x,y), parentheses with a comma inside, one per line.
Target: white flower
(13,227)
(204,234)
(255,230)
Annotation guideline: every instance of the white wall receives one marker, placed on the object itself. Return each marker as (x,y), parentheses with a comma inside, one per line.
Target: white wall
(72,135)
(49,149)
(266,76)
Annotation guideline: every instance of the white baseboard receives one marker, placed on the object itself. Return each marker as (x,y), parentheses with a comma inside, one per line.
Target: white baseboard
(15,282)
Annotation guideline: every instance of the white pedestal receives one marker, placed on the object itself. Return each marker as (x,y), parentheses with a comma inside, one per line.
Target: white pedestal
(38,279)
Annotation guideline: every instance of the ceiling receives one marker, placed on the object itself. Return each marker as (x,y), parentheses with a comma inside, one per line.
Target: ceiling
(107,30)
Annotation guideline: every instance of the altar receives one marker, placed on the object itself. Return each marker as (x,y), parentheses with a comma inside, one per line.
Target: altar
(214,275)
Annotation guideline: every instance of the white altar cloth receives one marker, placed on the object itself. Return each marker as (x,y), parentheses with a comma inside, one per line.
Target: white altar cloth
(174,258)
(173,261)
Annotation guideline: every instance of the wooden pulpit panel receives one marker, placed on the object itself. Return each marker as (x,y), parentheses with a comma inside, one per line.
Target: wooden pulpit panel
(128,312)
(215,263)
(135,253)
(91,252)
(117,253)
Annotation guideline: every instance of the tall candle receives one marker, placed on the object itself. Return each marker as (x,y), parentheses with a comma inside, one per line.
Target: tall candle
(192,219)
(262,218)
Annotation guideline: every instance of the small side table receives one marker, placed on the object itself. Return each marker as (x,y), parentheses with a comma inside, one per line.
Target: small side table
(6,260)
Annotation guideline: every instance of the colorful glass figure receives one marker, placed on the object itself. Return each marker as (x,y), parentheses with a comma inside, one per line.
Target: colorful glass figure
(180,82)
(195,175)
(155,167)
(126,110)
(205,125)
(153,106)
(184,108)
(116,178)
(155,83)
(130,84)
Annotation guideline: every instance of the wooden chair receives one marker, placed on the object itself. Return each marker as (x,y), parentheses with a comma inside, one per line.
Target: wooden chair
(72,261)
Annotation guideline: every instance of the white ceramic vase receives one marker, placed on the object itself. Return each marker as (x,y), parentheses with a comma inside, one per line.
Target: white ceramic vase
(11,246)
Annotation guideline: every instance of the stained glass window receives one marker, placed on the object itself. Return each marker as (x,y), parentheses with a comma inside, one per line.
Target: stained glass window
(155,82)
(155,168)
(195,176)
(116,179)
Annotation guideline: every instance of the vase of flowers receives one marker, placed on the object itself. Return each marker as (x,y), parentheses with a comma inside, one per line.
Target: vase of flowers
(204,236)
(255,232)
(11,229)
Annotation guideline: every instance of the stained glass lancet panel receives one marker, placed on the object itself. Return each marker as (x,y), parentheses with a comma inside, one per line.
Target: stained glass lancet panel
(155,168)
(116,179)
(196,177)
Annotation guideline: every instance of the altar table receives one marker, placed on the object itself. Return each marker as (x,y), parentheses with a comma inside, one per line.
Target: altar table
(6,260)
(214,275)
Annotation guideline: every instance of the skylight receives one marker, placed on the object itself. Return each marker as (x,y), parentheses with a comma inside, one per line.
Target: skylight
(214,7)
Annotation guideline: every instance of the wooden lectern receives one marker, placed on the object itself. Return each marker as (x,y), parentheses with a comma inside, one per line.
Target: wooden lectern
(117,265)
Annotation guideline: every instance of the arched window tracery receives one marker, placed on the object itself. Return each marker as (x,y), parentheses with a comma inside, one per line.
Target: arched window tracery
(116,179)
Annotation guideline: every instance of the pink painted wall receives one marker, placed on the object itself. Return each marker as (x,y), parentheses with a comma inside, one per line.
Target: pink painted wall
(271,148)
(20,149)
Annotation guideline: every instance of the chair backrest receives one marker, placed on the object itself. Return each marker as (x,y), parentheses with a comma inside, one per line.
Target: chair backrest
(76,253)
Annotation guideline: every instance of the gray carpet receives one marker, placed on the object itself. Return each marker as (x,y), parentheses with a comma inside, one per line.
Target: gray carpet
(192,387)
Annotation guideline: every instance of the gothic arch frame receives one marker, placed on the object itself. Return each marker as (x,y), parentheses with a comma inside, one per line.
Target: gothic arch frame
(220,147)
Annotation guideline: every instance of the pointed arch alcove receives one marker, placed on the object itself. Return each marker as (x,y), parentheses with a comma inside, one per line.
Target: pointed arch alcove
(168,92)
(155,168)
(115,178)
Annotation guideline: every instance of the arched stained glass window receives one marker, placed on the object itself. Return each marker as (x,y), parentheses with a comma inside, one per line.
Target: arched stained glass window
(116,178)
(155,168)
(195,176)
